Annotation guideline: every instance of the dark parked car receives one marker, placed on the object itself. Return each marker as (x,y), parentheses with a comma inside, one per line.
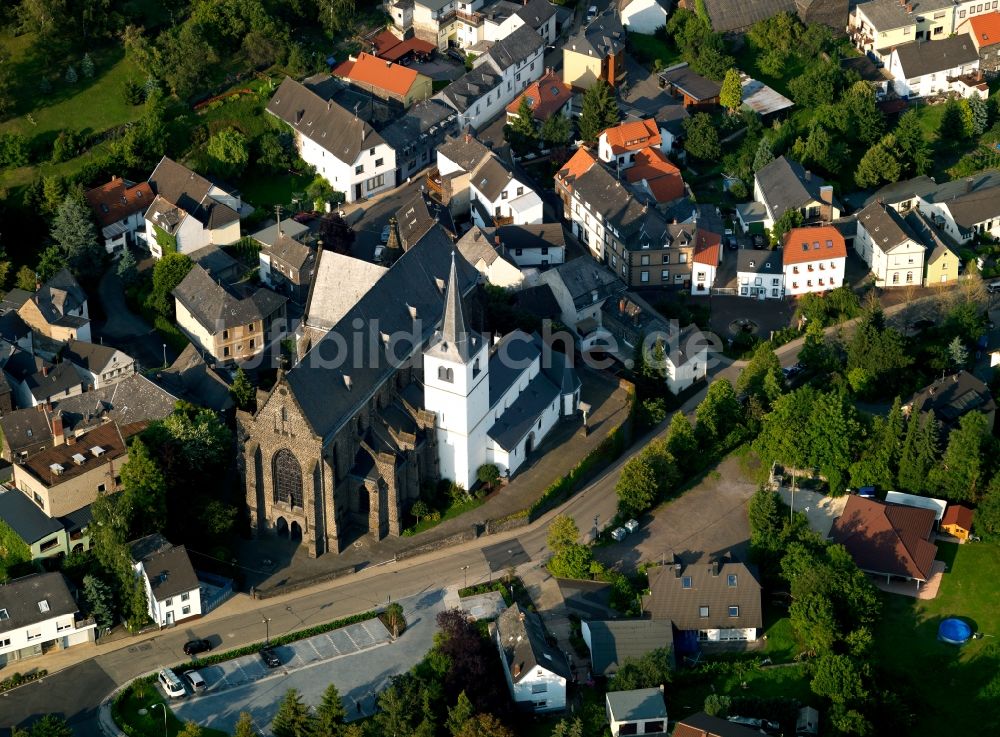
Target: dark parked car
(270,658)
(197,646)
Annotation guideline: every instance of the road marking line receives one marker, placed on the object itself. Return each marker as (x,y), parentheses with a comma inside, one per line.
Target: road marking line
(348,635)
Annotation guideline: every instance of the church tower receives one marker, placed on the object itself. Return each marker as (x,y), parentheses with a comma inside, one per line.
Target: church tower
(457,389)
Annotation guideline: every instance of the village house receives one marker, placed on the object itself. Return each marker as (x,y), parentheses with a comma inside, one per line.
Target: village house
(448,182)
(497,77)
(58,308)
(68,476)
(618,145)
(705,261)
(35,381)
(38,615)
(643,16)
(417,217)
(225,323)
(287,264)
(580,288)
(188,211)
(926,68)
(813,260)
(759,274)
(784,185)
(173,593)
(489,259)
(708,599)
(532,244)
(889,247)
(498,197)
(952,397)
(444,23)
(45,537)
(98,365)
(416,135)
(385,80)
(118,207)
(345,149)
(596,51)
(984,31)
(536,672)
(941,263)
(613,643)
(547,97)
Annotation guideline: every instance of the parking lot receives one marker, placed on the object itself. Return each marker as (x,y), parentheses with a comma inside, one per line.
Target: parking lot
(359,658)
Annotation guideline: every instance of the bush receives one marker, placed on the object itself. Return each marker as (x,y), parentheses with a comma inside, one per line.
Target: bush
(132,92)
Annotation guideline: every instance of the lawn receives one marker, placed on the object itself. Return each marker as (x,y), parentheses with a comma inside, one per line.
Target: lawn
(687,696)
(653,52)
(126,711)
(953,690)
(267,190)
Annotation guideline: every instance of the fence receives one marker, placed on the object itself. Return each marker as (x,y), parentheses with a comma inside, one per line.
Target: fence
(222,591)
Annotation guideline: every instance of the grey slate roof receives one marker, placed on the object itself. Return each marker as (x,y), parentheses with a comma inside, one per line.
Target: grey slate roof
(94,357)
(190,378)
(180,187)
(133,399)
(953,396)
(928,235)
(521,635)
(24,517)
(23,428)
(14,299)
(340,282)
(62,293)
(30,371)
(472,85)
(516,47)
(466,151)
(929,57)
(583,278)
(971,200)
(536,13)
(475,245)
(637,705)
(269,235)
(787,186)
(291,252)
(684,78)
(886,15)
(168,567)
(885,226)
(532,236)
(670,600)
(219,264)
(520,417)
(325,123)
(727,15)
(20,598)
(612,642)
(411,284)
(758,262)
(418,215)
(416,122)
(602,37)
(216,309)
(490,177)
(454,340)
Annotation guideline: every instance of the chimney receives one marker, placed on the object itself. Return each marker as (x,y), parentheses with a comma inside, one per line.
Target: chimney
(58,437)
(677,568)
(45,370)
(715,567)
(621,306)
(298,116)
(909,7)
(826,197)
(329,104)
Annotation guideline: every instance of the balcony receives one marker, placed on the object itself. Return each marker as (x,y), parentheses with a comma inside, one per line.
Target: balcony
(499,220)
(435,185)
(472,19)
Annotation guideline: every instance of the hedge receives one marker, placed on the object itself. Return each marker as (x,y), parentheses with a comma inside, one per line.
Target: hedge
(18,679)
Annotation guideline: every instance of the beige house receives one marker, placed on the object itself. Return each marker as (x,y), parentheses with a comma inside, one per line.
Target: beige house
(386,80)
(940,261)
(70,475)
(227,325)
(597,51)
(889,246)
(58,309)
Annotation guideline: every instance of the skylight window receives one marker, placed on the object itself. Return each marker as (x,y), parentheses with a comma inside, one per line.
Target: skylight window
(43,605)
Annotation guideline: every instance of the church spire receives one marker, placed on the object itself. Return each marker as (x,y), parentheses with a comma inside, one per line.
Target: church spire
(455,333)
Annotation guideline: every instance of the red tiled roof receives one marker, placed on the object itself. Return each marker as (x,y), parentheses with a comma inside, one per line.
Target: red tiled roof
(812,244)
(985,29)
(117,199)
(384,41)
(887,538)
(632,136)
(578,165)
(371,70)
(545,96)
(956,514)
(707,247)
(415,45)
(663,178)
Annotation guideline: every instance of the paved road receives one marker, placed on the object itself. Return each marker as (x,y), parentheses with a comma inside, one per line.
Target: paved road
(376,216)
(123,329)
(358,659)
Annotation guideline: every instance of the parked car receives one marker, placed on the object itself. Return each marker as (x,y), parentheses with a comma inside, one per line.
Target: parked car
(379,251)
(385,234)
(195,681)
(171,684)
(618,534)
(791,372)
(194,647)
(591,13)
(731,243)
(270,658)
(993,287)
(867,492)
(631,525)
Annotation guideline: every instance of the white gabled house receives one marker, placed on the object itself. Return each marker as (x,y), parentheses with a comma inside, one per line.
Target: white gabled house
(497,197)
(759,274)
(705,261)
(643,16)
(346,150)
(98,365)
(813,260)
(536,672)
(173,593)
(924,68)
(39,615)
(533,245)
(499,76)
(188,211)
(445,23)
(886,243)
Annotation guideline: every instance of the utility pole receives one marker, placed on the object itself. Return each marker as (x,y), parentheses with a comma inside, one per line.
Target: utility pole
(277,215)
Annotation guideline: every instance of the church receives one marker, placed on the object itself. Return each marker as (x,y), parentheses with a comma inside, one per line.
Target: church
(400,393)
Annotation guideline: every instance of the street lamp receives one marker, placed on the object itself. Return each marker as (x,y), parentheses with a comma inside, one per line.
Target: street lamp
(465,570)
(164,707)
(267,630)
(164,355)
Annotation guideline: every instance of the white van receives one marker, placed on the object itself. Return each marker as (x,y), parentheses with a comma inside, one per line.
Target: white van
(171,684)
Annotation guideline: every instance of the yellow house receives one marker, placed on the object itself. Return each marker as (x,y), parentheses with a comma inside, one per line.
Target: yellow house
(940,262)
(881,25)
(957,521)
(597,51)
(57,309)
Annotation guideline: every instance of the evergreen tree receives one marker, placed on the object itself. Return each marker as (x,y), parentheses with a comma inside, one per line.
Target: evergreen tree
(87,66)
(763,156)
(920,452)
(244,726)
(957,352)
(953,125)
(868,123)
(522,127)
(879,164)
(127,269)
(557,131)
(599,111)
(459,714)
(731,96)
(293,718)
(959,476)
(71,76)
(243,392)
(979,113)
(914,150)
(52,261)
(330,713)
(76,235)
(100,601)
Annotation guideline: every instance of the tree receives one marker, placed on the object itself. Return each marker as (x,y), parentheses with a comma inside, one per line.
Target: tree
(731,96)
(718,413)
(599,111)
(960,473)
(420,509)
(51,725)
(953,127)
(191,729)
(336,15)
(879,164)
(274,150)
(394,618)
(484,725)
(763,156)
(71,76)
(76,235)
(459,714)
(637,487)
(568,728)
(876,356)
(868,123)
(245,727)
(25,279)
(650,671)
(979,113)
(243,392)
(791,218)
(818,84)
(762,376)
(836,678)
(132,92)
(958,353)
(335,234)
(145,490)
(988,513)
(127,269)
(914,152)
(523,134)
(919,453)
(556,131)
(87,66)
(14,150)
(51,261)
(293,718)
(100,601)
(229,152)
(717,705)
(879,462)
(563,533)
(701,138)
(765,520)
(330,713)
(488,474)
(681,442)
(168,272)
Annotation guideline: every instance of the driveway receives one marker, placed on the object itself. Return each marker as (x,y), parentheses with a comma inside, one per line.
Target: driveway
(125,330)
(359,659)
(375,216)
(709,518)
(821,510)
